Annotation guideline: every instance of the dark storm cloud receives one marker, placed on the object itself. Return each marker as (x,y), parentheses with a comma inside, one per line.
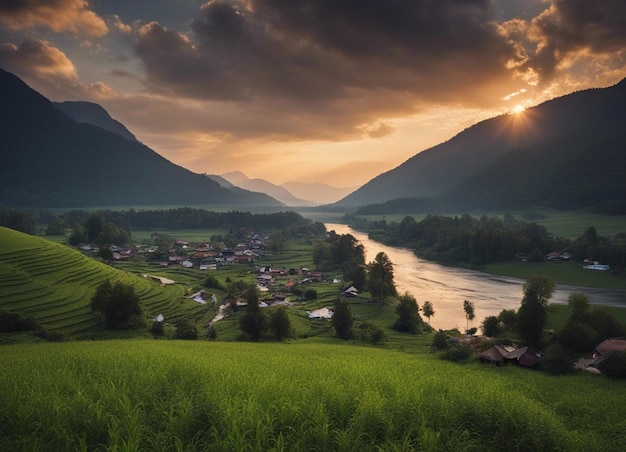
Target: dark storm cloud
(330,52)
(570,27)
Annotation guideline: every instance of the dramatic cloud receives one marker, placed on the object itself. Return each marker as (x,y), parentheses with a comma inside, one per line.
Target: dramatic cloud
(339,64)
(48,70)
(569,31)
(57,15)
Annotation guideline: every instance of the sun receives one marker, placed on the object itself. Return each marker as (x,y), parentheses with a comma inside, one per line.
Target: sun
(519,108)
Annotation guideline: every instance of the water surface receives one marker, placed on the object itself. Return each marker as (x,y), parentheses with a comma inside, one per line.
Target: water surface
(447,287)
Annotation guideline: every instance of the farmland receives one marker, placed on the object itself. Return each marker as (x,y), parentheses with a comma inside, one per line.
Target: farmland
(53,284)
(174,395)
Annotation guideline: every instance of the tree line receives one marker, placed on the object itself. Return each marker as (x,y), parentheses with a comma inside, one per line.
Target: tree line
(484,240)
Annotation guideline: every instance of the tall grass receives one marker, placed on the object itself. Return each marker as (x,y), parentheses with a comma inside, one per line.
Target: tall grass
(159,395)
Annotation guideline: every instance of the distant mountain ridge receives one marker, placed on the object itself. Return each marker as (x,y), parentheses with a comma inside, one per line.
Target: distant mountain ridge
(569,152)
(94,114)
(295,194)
(262,186)
(47,159)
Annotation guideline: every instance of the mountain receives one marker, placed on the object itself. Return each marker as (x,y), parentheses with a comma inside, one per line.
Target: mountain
(569,152)
(262,186)
(94,114)
(47,159)
(317,192)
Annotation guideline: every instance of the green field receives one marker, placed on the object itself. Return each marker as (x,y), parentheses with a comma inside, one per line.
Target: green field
(174,395)
(562,223)
(54,284)
(570,274)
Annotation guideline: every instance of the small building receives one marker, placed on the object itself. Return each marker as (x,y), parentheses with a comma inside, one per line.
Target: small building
(495,355)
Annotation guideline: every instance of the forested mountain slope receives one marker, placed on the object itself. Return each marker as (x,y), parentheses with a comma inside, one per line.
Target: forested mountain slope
(567,152)
(47,159)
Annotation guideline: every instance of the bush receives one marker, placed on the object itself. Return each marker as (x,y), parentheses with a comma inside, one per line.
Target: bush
(310,294)
(119,305)
(614,365)
(185,329)
(11,322)
(440,341)
(557,361)
(212,282)
(456,353)
(491,326)
(370,333)
(157,329)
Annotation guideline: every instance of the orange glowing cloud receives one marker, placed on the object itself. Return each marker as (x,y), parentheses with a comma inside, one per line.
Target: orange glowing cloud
(57,15)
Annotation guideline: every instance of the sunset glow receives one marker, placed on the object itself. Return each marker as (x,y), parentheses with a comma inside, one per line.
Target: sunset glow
(306,90)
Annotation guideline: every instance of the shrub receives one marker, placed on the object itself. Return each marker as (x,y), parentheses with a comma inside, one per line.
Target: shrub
(310,294)
(157,329)
(440,341)
(186,329)
(370,333)
(557,360)
(11,322)
(491,326)
(119,305)
(457,354)
(212,282)
(614,365)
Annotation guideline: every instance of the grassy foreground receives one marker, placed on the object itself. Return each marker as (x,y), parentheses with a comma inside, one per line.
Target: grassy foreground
(174,395)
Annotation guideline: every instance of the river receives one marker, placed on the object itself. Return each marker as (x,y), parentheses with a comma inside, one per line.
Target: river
(447,287)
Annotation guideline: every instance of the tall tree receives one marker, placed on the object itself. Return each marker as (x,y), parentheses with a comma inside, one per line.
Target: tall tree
(409,320)
(428,310)
(380,283)
(342,319)
(531,316)
(253,322)
(468,307)
(280,324)
(118,304)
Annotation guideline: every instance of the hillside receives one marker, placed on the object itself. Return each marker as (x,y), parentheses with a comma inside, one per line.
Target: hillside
(262,186)
(49,160)
(96,115)
(564,153)
(54,284)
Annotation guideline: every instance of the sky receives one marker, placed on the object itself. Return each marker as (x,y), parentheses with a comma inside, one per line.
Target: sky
(330,91)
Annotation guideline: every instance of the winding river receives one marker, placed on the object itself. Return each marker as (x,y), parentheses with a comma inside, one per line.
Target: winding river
(447,287)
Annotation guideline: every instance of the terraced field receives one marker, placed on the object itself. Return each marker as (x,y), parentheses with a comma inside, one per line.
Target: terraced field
(54,284)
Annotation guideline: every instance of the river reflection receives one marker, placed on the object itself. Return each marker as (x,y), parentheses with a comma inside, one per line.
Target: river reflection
(447,287)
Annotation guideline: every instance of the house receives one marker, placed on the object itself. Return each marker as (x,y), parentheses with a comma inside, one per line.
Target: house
(350,292)
(600,352)
(495,355)
(523,356)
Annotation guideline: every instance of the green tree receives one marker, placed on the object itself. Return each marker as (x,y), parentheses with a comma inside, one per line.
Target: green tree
(409,320)
(119,305)
(491,326)
(280,324)
(557,361)
(468,307)
(508,319)
(579,304)
(380,282)
(253,322)
(186,329)
(531,316)
(93,227)
(440,340)
(342,319)
(428,310)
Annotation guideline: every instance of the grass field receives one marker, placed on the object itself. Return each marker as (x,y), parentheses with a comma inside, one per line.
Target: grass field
(174,395)
(570,274)
(568,224)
